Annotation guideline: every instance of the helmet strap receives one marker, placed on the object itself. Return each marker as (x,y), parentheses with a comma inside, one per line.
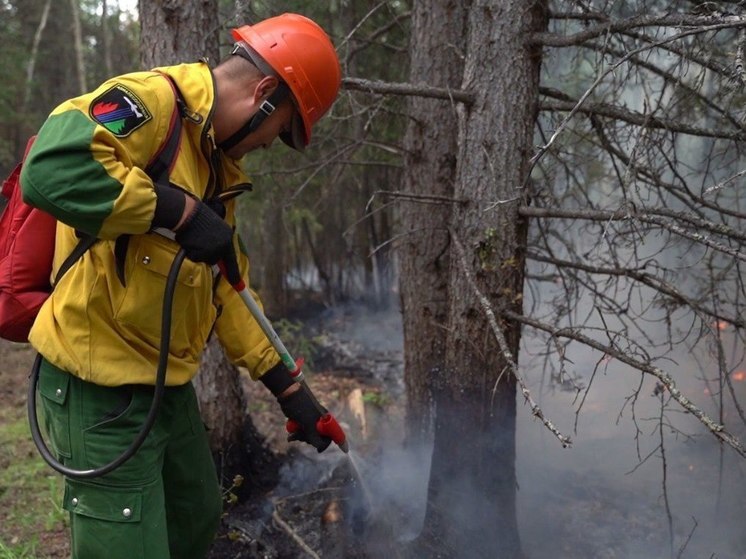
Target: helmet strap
(267,107)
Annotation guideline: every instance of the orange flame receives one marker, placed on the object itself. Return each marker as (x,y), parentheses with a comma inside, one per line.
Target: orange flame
(720,324)
(740,376)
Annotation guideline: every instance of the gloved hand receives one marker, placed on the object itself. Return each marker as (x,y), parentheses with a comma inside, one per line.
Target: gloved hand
(300,408)
(205,237)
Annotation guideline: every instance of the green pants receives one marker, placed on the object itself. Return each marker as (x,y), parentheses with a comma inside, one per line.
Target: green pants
(165,502)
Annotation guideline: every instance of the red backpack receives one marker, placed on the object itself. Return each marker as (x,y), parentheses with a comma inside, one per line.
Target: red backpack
(25,259)
(27,238)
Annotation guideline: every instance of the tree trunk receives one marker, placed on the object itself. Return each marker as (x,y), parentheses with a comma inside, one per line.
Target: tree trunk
(438,30)
(471,498)
(176,31)
(274,259)
(34,53)
(78,42)
(106,35)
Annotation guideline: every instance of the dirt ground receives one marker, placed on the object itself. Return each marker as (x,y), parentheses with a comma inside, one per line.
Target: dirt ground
(309,509)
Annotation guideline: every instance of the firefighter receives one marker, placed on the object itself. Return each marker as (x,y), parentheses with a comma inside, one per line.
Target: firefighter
(99,331)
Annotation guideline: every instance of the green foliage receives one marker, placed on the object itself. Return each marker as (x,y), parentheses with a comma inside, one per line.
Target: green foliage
(321,197)
(54,64)
(298,343)
(377,399)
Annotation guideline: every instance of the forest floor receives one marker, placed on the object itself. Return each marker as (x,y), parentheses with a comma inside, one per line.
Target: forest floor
(317,500)
(303,504)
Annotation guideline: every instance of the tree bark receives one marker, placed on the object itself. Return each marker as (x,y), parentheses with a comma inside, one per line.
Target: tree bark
(78,42)
(106,35)
(174,31)
(438,30)
(30,67)
(471,497)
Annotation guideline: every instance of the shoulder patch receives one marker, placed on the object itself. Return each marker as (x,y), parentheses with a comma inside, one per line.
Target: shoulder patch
(119,110)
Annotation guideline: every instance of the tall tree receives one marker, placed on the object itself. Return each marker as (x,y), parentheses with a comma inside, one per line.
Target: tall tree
(470,497)
(654,208)
(31,64)
(437,47)
(80,65)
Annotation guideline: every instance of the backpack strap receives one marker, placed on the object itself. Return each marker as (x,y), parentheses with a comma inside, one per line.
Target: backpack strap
(85,242)
(163,161)
(159,167)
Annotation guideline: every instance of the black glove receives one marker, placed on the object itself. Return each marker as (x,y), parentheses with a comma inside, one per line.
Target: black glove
(300,408)
(205,237)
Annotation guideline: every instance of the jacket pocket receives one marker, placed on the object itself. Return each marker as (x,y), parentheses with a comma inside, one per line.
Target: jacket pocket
(140,306)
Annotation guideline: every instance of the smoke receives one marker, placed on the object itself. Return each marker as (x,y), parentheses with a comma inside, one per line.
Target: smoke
(606,497)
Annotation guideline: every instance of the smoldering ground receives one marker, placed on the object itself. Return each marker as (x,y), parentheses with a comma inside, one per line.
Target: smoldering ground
(614,493)
(602,498)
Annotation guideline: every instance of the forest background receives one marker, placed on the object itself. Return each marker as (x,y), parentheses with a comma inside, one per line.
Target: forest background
(550,195)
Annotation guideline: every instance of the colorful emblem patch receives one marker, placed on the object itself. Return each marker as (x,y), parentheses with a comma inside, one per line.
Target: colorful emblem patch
(119,110)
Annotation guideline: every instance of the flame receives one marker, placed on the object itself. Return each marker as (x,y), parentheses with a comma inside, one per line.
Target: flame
(720,324)
(739,376)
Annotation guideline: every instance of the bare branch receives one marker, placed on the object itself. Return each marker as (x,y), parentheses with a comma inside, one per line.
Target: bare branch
(715,428)
(502,342)
(646,215)
(704,23)
(632,117)
(388,88)
(651,281)
(610,69)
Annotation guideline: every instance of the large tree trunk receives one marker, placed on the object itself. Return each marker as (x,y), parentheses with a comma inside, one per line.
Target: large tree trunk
(471,499)
(175,31)
(430,169)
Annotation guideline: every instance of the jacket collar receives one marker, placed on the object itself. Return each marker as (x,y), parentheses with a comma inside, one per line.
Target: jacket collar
(197,85)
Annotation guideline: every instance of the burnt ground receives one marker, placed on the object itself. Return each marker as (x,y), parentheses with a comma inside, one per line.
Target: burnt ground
(293,502)
(314,504)
(296,503)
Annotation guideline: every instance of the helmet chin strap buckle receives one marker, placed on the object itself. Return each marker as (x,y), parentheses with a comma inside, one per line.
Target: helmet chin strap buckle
(267,108)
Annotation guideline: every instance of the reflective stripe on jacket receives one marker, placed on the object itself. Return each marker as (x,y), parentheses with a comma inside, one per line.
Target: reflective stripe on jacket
(86,169)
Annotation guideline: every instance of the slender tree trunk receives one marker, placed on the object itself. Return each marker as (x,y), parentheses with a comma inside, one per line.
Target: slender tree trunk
(106,35)
(438,30)
(471,499)
(78,42)
(274,288)
(30,67)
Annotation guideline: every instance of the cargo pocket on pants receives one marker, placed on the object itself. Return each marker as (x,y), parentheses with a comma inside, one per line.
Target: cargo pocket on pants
(54,385)
(105,521)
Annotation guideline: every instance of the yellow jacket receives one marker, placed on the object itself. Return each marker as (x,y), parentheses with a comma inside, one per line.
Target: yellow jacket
(86,169)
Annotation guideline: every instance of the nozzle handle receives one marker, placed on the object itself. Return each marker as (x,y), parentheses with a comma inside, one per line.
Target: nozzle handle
(327,426)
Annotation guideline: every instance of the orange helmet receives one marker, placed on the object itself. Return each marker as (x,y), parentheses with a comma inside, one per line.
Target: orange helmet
(299,53)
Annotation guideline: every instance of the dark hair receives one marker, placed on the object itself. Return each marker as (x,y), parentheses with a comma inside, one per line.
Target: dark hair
(237,68)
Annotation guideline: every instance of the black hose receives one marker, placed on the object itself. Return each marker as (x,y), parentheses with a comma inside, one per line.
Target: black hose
(160,386)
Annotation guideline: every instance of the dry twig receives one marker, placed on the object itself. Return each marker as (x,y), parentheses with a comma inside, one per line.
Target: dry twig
(502,342)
